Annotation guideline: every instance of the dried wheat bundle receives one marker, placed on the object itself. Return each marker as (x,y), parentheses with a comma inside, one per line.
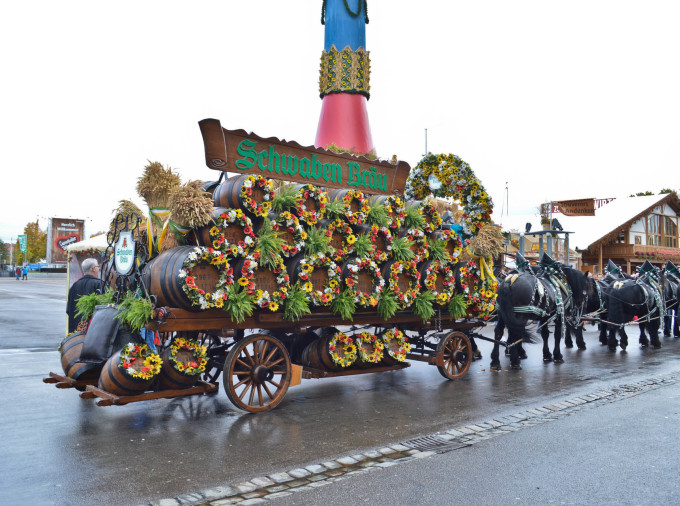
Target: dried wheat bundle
(190,206)
(126,208)
(441,206)
(488,242)
(156,185)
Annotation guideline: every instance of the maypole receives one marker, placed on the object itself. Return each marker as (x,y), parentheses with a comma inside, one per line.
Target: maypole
(344,77)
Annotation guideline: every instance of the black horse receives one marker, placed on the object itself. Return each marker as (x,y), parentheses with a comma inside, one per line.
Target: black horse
(636,300)
(670,289)
(590,306)
(545,296)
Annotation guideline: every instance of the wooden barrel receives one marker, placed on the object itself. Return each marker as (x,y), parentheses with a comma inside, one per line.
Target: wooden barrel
(209,187)
(264,279)
(162,278)
(365,282)
(415,246)
(439,282)
(451,239)
(391,348)
(379,242)
(317,353)
(310,203)
(233,233)
(403,281)
(172,379)
(228,194)
(70,354)
(117,381)
(318,277)
(337,236)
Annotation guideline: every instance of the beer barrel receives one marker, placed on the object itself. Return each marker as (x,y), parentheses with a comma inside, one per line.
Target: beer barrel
(403,281)
(229,193)
(170,378)
(261,278)
(454,245)
(228,233)
(116,380)
(209,187)
(319,355)
(438,269)
(162,277)
(365,281)
(354,204)
(70,354)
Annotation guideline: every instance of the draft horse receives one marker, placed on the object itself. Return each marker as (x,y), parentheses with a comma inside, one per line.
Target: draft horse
(670,290)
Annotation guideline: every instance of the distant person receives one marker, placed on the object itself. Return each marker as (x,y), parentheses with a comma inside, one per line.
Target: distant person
(25,273)
(18,273)
(86,285)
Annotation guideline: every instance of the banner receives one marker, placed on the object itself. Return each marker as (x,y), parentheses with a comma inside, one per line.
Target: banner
(60,233)
(579,207)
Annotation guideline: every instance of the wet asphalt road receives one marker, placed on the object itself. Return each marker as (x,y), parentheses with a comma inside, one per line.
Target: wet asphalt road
(60,449)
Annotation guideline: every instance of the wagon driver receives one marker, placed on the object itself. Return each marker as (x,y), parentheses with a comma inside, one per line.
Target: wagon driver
(86,285)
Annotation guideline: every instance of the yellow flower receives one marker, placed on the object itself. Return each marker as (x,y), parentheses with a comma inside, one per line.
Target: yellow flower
(332,283)
(243,281)
(351,239)
(219,302)
(308,287)
(307,268)
(273,306)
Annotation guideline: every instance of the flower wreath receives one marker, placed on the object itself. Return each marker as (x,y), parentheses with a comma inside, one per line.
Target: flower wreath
(198,352)
(356,217)
(364,299)
(394,206)
(380,255)
(428,210)
(457,181)
(480,291)
(420,241)
(348,238)
(432,273)
(261,298)
(287,221)
(234,217)
(369,347)
(309,191)
(452,237)
(251,205)
(327,294)
(342,343)
(138,361)
(410,271)
(396,344)
(196,295)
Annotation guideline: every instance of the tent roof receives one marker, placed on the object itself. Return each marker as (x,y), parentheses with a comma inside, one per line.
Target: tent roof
(97,242)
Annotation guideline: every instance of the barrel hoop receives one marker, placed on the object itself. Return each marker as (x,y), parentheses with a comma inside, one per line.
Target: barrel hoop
(117,383)
(72,344)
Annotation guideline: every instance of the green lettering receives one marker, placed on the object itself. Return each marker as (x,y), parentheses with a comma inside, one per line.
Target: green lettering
(274,160)
(354,173)
(372,179)
(284,167)
(327,171)
(337,173)
(316,167)
(260,160)
(382,182)
(292,165)
(245,149)
(305,166)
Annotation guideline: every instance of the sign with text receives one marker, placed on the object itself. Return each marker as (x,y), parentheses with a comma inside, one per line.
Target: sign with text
(124,253)
(60,233)
(579,207)
(22,243)
(241,152)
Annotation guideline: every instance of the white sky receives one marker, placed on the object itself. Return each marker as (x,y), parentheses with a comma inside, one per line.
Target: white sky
(558,99)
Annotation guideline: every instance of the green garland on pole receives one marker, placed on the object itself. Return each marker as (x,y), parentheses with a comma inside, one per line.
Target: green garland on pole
(363,6)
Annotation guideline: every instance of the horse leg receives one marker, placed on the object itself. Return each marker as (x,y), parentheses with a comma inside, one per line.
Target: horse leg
(476,354)
(644,342)
(520,351)
(667,323)
(611,341)
(676,324)
(624,338)
(514,355)
(557,353)
(654,327)
(568,343)
(603,333)
(545,334)
(498,335)
(580,342)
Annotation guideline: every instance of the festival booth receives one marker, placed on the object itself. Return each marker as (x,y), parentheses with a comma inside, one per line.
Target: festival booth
(94,247)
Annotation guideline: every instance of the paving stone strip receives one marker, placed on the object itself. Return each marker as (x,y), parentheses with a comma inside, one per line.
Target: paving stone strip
(261,489)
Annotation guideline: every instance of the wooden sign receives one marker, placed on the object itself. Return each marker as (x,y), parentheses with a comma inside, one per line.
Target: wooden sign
(579,207)
(244,153)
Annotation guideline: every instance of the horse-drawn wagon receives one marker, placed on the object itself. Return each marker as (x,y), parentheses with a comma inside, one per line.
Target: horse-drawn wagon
(330,274)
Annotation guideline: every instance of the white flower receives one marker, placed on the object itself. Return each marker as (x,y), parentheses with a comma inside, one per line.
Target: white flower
(130,370)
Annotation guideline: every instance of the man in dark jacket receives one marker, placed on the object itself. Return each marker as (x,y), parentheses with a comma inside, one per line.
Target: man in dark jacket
(86,285)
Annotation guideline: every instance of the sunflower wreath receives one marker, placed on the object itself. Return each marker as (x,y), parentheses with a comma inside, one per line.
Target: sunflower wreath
(139,361)
(198,296)
(443,272)
(251,205)
(325,295)
(404,270)
(288,222)
(363,298)
(342,349)
(456,181)
(310,216)
(420,244)
(261,298)
(432,218)
(193,366)
(232,218)
(396,344)
(480,291)
(394,207)
(369,347)
(348,238)
(454,242)
(356,217)
(376,233)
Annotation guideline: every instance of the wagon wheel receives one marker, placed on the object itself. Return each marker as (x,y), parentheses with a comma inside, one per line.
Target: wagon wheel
(257,373)
(457,355)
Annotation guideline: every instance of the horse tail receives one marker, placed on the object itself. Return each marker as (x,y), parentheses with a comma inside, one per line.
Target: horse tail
(505,304)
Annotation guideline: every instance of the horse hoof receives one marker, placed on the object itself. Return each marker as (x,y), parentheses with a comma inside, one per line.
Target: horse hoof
(547,359)
(522,356)
(612,348)
(667,334)
(515,367)
(657,346)
(495,367)
(558,361)
(623,348)
(582,347)
(568,345)
(643,345)
(476,355)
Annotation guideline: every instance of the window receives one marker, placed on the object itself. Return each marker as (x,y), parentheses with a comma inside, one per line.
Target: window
(670,228)
(653,230)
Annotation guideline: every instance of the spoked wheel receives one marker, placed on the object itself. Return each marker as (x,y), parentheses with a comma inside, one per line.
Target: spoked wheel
(257,373)
(457,355)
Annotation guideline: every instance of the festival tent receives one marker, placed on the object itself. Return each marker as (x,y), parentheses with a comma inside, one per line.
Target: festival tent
(94,247)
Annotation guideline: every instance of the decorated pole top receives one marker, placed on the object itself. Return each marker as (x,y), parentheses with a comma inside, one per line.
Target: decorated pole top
(344,78)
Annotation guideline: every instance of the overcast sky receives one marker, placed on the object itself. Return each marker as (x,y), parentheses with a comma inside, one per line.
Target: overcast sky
(557,99)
